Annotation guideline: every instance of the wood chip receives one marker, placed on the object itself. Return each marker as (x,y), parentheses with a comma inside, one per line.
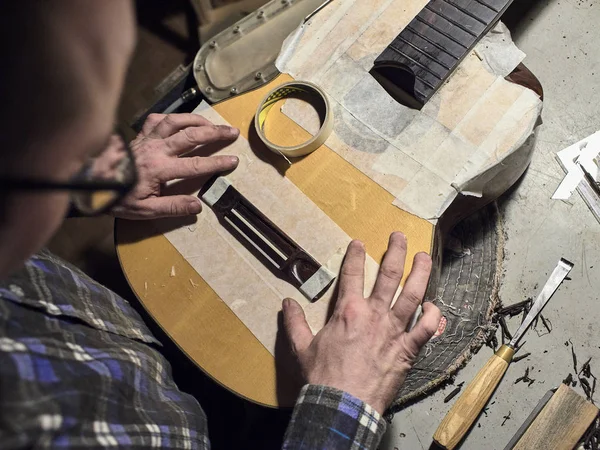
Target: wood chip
(454,392)
(525,378)
(504,327)
(568,380)
(513,310)
(585,369)
(519,358)
(585,385)
(172,271)
(574,358)
(492,340)
(519,347)
(547,324)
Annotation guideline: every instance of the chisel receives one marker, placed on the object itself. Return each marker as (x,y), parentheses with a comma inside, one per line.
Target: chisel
(467,408)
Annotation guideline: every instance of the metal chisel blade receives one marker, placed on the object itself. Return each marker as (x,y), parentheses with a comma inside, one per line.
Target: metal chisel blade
(558,275)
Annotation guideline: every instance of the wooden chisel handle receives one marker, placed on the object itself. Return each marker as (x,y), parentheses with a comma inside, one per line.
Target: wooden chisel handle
(465,411)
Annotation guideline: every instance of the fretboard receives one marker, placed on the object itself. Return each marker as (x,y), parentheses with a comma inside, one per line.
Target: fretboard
(431,46)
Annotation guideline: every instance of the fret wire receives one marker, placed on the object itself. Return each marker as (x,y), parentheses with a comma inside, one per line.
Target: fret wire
(467,12)
(425,38)
(432,57)
(422,66)
(419,92)
(487,6)
(441,32)
(452,21)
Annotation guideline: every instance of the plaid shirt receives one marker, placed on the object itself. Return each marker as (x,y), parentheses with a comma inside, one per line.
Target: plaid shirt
(325,417)
(79,369)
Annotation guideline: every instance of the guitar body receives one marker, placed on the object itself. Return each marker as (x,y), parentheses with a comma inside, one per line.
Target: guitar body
(197,319)
(204,327)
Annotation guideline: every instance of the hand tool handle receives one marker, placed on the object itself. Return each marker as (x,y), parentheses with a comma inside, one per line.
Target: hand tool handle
(465,411)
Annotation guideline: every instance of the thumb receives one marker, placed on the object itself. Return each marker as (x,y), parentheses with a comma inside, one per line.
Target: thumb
(425,327)
(297,328)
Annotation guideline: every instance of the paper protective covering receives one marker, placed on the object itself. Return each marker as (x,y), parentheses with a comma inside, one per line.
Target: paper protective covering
(423,158)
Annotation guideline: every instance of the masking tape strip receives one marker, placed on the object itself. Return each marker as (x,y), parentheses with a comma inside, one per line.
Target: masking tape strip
(315,285)
(216,191)
(288,90)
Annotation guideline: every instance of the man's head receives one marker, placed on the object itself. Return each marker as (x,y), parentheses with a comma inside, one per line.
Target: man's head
(64,66)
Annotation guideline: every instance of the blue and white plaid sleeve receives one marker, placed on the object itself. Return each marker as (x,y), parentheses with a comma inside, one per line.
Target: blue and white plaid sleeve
(80,369)
(327,418)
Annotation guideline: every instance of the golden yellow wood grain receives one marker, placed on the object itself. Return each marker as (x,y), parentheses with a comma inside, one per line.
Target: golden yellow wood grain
(191,313)
(465,410)
(561,424)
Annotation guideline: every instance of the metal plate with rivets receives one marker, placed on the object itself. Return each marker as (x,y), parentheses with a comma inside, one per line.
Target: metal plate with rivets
(242,57)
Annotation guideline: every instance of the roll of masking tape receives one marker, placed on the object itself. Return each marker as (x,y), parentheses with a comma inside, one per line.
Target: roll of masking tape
(314,95)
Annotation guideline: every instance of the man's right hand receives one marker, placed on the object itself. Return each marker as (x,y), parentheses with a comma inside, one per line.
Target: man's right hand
(365,348)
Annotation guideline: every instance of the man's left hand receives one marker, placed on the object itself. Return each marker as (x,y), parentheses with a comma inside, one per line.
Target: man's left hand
(157,149)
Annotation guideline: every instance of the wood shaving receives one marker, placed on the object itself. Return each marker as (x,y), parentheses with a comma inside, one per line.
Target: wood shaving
(454,392)
(519,358)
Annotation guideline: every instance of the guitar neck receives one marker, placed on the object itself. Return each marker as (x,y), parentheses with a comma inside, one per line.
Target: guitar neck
(428,50)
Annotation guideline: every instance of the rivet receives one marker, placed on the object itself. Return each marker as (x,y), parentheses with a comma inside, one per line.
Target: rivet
(258,75)
(213,44)
(233,91)
(260,14)
(209,90)
(236,29)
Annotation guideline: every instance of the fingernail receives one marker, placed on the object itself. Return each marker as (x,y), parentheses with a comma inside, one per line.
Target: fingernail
(400,234)
(358,243)
(195,207)
(286,303)
(234,131)
(235,160)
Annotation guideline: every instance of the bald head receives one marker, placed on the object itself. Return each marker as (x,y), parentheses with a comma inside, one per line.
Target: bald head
(64,64)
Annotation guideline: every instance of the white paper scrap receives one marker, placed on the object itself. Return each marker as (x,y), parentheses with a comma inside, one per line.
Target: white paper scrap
(583,153)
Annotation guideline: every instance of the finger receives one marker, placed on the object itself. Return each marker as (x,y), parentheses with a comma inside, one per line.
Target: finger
(197,166)
(168,206)
(390,271)
(172,123)
(189,138)
(352,274)
(424,329)
(414,289)
(151,122)
(296,326)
